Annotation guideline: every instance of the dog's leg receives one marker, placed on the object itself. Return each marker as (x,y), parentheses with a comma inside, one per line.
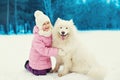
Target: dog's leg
(67,66)
(58,63)
(57,66)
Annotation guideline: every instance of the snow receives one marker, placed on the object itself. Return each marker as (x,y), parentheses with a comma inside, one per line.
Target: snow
(14,51)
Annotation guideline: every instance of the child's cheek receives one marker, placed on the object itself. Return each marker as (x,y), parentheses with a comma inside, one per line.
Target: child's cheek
(43,28)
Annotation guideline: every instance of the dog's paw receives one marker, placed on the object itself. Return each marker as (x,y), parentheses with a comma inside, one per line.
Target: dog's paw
(61,52)
(51,71)
(60,75)
(54,71)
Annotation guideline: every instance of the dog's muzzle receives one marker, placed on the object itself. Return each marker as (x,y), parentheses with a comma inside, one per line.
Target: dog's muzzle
(63,35)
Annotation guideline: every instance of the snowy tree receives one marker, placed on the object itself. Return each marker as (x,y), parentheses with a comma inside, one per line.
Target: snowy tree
(48,10)
(6,28)
(86,14)
(15,14)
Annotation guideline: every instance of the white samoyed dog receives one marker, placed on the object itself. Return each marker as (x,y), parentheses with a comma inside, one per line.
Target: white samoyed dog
(76,58)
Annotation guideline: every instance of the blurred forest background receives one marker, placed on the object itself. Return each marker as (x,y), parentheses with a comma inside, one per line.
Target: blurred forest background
(16,16)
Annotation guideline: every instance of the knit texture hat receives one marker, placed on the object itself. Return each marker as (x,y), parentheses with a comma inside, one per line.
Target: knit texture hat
(40,18)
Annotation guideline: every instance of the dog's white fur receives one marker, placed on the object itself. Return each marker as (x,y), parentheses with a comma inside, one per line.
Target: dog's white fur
(76,59)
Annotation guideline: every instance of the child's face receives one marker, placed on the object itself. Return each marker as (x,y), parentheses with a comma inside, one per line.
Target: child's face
(46,26)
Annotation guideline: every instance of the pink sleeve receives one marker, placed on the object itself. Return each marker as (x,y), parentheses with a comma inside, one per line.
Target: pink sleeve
(35,30)
(43,50)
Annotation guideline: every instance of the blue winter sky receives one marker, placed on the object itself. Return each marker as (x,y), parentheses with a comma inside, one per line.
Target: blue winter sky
(16,16)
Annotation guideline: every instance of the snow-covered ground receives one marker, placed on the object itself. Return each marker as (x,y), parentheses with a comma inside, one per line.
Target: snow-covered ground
(14,51)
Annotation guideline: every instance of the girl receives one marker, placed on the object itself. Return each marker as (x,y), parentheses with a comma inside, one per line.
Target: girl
(39,62)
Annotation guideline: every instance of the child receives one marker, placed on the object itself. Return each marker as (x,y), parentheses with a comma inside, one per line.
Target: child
(39,62)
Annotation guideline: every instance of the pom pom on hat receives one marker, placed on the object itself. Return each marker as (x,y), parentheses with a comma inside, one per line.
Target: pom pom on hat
(40,18)
(37,13)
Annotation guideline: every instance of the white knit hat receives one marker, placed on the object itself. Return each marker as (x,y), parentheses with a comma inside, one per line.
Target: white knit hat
(40,18)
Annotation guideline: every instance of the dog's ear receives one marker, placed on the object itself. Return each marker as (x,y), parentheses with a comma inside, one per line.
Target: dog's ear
(71,21)
(57,21)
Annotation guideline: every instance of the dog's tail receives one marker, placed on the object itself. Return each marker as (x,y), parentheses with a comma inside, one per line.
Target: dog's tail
(97,73)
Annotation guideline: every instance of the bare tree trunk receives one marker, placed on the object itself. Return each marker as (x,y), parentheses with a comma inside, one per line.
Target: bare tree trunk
(15,14)
(7,25)
(48,9)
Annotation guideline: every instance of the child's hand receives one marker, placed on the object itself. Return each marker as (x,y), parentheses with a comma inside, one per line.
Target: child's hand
(61,52)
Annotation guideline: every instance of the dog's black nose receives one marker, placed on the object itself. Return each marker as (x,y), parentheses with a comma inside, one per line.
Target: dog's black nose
(63,32)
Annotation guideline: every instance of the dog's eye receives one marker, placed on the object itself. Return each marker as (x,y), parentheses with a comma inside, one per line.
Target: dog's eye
(66,27)
(60,27)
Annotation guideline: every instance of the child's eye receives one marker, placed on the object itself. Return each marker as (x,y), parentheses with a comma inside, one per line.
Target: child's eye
(43,24)
(47,22)
(60,27)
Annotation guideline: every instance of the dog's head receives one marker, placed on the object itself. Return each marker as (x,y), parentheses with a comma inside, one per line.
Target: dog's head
(63,28)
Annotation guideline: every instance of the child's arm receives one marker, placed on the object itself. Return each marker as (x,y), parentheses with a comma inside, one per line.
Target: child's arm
(43,50)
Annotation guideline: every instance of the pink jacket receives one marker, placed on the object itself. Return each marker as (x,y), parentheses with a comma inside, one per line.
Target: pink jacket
(41,51)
